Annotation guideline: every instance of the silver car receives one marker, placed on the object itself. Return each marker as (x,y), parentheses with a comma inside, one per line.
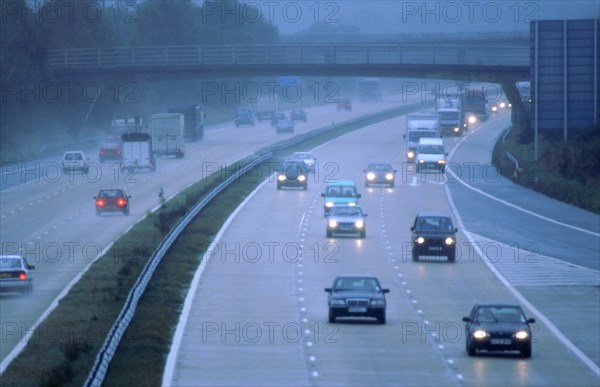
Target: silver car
(345,219)
(15,274)
(307,157)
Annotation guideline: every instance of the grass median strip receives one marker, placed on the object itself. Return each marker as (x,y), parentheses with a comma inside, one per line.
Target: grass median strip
(62,349)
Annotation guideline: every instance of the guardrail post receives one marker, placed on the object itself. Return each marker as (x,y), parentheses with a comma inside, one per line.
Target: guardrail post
(199,55)
(166,55)
(66,60)
(133,56)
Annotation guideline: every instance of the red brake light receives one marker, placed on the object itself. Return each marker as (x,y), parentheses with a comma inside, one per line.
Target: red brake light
(118,151)
(122,202)
(100,203)
(23,276)
(101,151)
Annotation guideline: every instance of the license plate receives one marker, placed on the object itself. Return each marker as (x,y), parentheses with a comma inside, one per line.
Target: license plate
(357,310)
(5,275)
(435,248)
(501,341)
(346,228)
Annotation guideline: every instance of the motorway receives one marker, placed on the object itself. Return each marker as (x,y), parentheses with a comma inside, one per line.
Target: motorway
(50,217)
(257,312)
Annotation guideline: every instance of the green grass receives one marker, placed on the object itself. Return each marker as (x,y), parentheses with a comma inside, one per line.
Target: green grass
(86,314)
(566,173)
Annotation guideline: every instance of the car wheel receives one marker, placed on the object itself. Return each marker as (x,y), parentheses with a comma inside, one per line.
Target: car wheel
(443,169)
(329,234)
(418,168)
(305,187)
(452,256)
(98,212)
(470,349)
(278,186)
(363,234)
(126,212)
(415,256)
(526,353)
(331,316)
(381,317)
(28,290)
(392,185)
(366,183)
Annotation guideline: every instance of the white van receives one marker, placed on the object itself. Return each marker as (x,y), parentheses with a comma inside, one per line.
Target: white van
(431,154)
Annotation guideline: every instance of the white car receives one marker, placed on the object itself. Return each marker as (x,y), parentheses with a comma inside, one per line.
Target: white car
(15,274)
(75,160)
(307,157)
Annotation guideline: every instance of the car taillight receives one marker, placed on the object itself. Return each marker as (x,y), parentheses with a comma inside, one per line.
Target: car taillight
(101,152)
(23,276)
(118,151)
(100,203)
(121,202)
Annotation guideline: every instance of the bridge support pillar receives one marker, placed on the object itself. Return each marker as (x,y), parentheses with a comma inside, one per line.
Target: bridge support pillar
(520,112)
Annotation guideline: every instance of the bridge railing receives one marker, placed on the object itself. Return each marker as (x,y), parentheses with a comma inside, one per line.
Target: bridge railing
(311,54)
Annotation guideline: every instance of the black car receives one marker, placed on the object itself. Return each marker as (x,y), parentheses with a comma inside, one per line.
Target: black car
(292,174)
(356,296)
(244,116)
(284,125)
(112,200)
(298,115)
(498,327)
(433,234)
(344,104)
(380,173)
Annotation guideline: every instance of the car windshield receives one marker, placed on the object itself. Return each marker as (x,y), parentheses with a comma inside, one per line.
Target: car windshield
(346,211)
(341,191)
(357,284)
(111,193)
(500,314)
(293,166)
(379,167)
(10,263)
(414,136)
(244,112)
(430,223)
(302,156)
(431,149)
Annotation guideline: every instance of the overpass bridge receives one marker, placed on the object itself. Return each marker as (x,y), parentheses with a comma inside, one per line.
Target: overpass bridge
(472,62)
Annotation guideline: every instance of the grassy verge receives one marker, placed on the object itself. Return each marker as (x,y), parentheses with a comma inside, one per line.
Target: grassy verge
(566,173)
(85,315)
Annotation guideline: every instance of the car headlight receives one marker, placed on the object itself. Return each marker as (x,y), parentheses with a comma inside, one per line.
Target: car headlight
(359,224)
(521,335)
(449,241)
(441,161)
(410,154)
(351,204)
(301,178)
(389,176)
(480,334)
(332,223)
(421,161)
(377,302)
(370,176)
(494,108)
(472,119)
(502,105)
(281,177)
(420,240)
(328,204)
(456,129)
(337,302)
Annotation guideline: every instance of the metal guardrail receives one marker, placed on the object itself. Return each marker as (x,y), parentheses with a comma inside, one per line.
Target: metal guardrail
(107,351)
(288,54)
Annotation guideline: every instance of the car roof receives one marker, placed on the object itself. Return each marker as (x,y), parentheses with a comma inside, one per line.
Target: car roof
(431,141)
(373,164)
(346,205)
(433,215)
(342,182)
(356,276)
(5,256)
(497,304)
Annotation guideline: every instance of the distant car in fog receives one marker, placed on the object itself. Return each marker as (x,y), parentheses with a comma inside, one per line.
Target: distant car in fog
(75,161)
(284,125)
(307,157)
(380,173)
(244,116)
(356,296)
(292,173)
(344,104)
(498,327)
(345,219)
(298,115)
(276,117)
(15,274)
(112,200)
(433,234)
(109,152)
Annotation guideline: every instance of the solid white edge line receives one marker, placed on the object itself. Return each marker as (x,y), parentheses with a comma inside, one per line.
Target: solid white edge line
(458,179)
(582,356)
(189,299)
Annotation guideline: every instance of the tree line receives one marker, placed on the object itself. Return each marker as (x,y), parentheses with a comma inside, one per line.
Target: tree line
(37,108)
